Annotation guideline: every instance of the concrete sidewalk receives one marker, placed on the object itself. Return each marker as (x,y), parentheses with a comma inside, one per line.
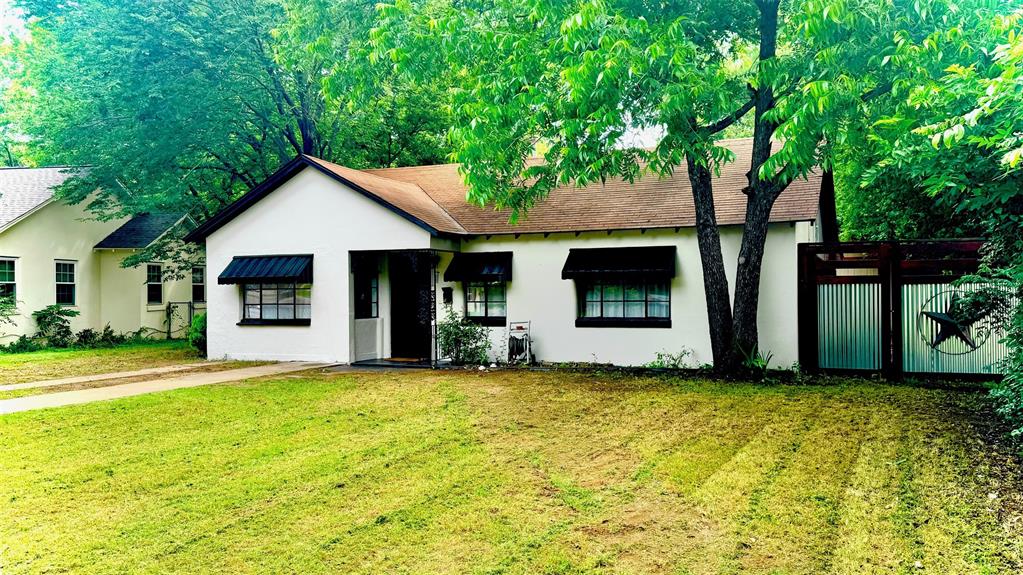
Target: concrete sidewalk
(32,402)
(106,376)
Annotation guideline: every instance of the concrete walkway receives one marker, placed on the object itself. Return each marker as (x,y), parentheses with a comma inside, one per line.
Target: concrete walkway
(106,376)
(140,387)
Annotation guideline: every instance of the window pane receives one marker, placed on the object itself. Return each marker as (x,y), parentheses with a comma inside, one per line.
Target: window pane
(6,271)
(154,293)
(634,292)
(199,293)
(7,290)
(635,309)
(495,292)
(252,294)
(303,294)
(198,275)
(303,311)
(613,292)
(269,311)
(286,295)
(66,294)
(154,274)
(475,292)
(375,309)
(269,295)
(497,309)
(593,292)
(286,312)
(657,292)
(252,312)
(613,309)
(475,309)
(65,272)
(592,309)
(658,309)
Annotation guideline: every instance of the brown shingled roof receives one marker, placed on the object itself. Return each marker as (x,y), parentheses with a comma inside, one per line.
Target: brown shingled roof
(651,202)
(434,197)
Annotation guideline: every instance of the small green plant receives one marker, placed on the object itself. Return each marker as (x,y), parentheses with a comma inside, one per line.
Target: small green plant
(756,362)
(669,360)
(197,333)
(463,341)
(54,325)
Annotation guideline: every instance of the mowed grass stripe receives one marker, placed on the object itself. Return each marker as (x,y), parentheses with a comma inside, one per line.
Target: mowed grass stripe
(869,541)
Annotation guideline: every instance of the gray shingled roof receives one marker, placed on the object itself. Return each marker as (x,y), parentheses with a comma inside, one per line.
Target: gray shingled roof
(24,189)
(140,231)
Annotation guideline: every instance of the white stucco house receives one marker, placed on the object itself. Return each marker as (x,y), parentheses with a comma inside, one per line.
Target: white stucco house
(327,263)
(55,253)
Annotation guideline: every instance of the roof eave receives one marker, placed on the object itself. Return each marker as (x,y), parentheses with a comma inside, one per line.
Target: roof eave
(279,178)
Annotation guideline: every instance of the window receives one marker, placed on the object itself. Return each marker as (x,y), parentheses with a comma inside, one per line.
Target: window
(367,294)
(154,284)
(625,303)
(7,284)
(198,284)
(65,280)
(486,302)
(285,304)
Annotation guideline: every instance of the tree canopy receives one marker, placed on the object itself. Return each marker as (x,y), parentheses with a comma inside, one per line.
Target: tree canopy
(180,106)
(574,78)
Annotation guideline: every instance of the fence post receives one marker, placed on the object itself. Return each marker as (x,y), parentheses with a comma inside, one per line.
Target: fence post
(806,292)
(896,315)
(884,271)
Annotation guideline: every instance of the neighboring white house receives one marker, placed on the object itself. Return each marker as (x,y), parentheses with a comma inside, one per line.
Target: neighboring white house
(55,253)
(327,263)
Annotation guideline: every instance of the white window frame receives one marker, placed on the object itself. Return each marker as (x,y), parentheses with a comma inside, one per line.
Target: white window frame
(149,282)
(203,284)
(73,283)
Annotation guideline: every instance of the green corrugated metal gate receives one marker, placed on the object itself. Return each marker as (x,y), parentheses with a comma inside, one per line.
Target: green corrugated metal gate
(887,307)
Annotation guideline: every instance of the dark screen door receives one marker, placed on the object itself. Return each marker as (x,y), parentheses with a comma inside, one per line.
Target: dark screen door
(410,305)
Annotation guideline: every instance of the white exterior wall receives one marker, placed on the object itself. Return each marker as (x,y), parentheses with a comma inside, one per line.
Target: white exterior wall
(123,298)
(105,293)
(56,231)
(538,294)
(309,214)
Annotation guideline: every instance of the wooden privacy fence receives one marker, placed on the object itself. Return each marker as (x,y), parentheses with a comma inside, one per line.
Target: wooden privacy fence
(886,307)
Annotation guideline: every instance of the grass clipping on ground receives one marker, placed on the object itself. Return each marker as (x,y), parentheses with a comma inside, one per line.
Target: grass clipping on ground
(440,472)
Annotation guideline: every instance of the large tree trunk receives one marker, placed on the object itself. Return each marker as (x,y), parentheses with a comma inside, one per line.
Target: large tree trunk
(760,196)
(715,282)
(748,272)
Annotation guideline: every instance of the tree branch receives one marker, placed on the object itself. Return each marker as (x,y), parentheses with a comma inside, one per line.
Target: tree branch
(731,118)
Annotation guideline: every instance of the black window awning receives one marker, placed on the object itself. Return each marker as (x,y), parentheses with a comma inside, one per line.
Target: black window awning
(653,262)
(268,270)
(482,266)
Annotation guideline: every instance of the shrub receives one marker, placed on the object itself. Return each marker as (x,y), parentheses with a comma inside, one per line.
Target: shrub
(88,337)
(109,338)
(54,324)
(197,333)
(463,341)
(23,344)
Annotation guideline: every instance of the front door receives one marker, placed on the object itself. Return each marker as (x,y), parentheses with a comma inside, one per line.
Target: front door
(411,317)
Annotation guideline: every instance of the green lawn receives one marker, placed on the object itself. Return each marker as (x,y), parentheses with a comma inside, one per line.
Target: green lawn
(441,472)
(54,364)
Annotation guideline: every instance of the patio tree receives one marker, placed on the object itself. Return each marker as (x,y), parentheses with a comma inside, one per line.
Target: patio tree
(181,106)
(574,80)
